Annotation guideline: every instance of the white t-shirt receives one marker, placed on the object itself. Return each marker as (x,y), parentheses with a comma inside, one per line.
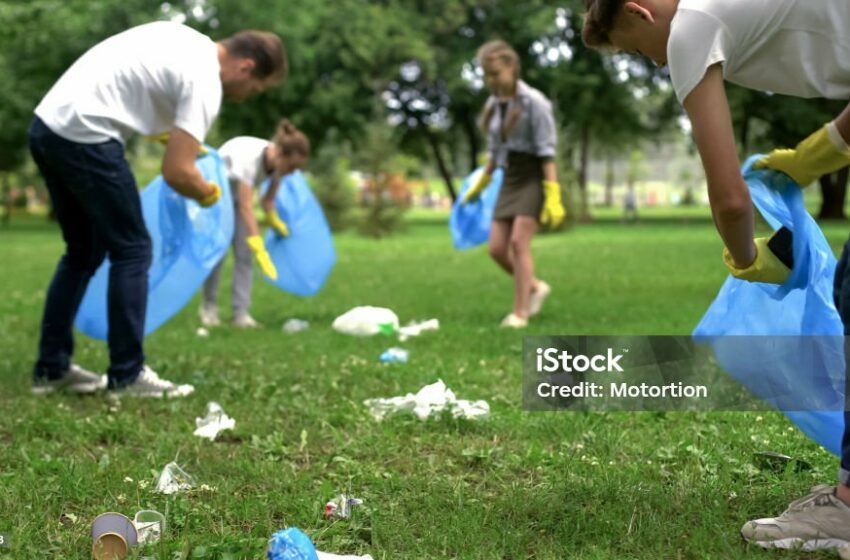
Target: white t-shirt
(243,157)
(792,47)
(146,80)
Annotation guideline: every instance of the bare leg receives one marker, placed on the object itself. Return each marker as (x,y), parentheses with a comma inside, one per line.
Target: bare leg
(522,233)
(500,236)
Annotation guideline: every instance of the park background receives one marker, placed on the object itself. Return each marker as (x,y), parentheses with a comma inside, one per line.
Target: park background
(389,94)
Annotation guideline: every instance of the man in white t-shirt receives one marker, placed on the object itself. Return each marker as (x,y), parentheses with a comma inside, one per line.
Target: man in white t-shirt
(154,79)
(792,47)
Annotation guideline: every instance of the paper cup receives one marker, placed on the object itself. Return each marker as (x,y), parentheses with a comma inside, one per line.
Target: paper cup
(113,535)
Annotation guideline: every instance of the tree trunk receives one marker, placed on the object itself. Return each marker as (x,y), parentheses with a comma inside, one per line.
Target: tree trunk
(471,129)
(7,199)
(584,156)
(441,162)
(834,193)
(609,182)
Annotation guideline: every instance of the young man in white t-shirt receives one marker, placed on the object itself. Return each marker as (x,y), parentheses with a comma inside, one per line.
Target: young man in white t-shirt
(792,47)
(154,79)
(250,161)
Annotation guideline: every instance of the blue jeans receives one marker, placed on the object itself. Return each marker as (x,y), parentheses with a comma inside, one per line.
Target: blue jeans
(95,199)
(842,303)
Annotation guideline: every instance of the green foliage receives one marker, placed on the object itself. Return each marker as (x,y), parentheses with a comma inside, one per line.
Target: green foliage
(331,174)
(383,167)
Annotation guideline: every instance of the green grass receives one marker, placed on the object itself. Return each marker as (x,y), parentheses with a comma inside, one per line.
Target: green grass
(519,485)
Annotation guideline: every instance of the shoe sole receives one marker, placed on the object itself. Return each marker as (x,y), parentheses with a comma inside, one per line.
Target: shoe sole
(70,389)
(800,544)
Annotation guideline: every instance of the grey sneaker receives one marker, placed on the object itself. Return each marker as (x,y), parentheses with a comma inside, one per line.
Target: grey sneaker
(538,296)
(149,384)
(815,522)
(209,315)
(75,380)
(245,321)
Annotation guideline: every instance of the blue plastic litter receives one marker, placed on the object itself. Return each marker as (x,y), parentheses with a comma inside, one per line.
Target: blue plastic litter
(785,343)
(188,241)
(291,544)
(306,257)
(470,223)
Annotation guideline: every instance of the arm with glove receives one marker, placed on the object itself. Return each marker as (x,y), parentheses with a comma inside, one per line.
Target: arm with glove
(822,153)
(254,239)
(272,218)
(731,206)
(482,183)
(553,213)
(179,171)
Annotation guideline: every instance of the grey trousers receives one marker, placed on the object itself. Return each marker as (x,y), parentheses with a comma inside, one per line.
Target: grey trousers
(243,269)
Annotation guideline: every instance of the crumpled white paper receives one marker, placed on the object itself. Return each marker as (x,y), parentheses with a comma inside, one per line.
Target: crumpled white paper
(173,479)
(366,321)
(214,422)
(429,401)
(415,329)
(295,325)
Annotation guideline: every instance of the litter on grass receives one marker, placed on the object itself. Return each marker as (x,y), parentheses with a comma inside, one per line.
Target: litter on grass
(415,329)
(394,356)
(214,422)
(366,321)
(341,506)
(295,325)
(173,479)
(431,400)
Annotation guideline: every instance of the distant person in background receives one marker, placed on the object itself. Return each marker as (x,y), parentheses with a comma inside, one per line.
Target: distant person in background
(630,209)
(250,161)
(520,130)
(154,79)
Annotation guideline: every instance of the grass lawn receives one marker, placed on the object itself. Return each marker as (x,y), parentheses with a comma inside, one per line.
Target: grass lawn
(519,485)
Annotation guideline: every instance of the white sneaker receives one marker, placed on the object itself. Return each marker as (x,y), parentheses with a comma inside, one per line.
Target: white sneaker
(75,380)
(245,321)
(209,315)
(149,384)
(844,552)
(514,321)
(538,296)
(815,522)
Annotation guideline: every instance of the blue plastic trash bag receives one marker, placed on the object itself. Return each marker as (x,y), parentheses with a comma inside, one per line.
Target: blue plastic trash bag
(785,343)
(470,223)
(188,241)
(306,257)
(291,544)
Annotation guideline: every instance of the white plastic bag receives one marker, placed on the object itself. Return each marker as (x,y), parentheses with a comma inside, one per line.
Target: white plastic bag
(366,321)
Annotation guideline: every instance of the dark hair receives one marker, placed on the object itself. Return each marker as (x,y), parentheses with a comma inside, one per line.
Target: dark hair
(599,20)
(264,48)
(498,50)
(289,140)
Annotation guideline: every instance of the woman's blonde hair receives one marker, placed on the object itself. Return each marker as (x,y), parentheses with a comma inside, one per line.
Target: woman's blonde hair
(500,51)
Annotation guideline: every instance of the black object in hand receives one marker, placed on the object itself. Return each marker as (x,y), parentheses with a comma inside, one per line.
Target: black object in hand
(782,245)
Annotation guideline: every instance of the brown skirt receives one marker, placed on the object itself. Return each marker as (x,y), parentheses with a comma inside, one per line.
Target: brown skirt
(522,187)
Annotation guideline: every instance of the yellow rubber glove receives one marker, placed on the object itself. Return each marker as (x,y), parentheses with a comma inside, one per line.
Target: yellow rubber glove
(255,242)
(821,153)
(211,198)
(553,212)
(472,194)
(166,136)
(277,224)
(766,268)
